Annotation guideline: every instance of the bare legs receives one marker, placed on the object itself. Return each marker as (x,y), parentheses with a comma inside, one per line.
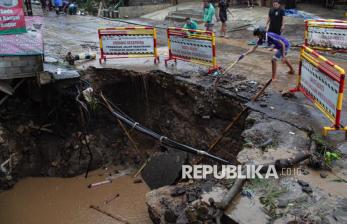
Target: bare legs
(274,68)
(223,30)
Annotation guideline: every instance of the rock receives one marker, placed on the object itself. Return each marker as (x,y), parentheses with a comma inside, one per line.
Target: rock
(2,140)
(282,203)
(170,217)
(191,197)
(178,191)
(342,148)
(323,174)
(137,181)
(303,183)
(288,95)
(263,104)
(305,172)
(160,204)
(20,129)
(164,168)
(307,189)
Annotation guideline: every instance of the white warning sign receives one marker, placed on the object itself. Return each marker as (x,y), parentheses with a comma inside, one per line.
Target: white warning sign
(189,48)
(127,44)
(325,35)
(322,88)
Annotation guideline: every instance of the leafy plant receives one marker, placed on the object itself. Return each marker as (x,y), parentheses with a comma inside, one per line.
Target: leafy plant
(269,201)
(93,104)
(329,157)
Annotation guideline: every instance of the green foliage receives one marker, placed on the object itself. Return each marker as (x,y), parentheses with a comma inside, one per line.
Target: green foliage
(322,145)
(93,104)
(269,201)
(329,157)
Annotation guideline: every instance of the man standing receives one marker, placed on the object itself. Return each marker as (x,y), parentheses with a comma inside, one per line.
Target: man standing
(275,21)
(209,13)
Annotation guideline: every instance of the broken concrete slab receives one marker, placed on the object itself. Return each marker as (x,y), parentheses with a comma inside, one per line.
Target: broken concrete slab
(164,168)
(60,72)
(286,140)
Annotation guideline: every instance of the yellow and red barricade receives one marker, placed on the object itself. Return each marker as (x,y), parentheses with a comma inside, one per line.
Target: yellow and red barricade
(128,42)
(322,81)
(326,35)
(196,46)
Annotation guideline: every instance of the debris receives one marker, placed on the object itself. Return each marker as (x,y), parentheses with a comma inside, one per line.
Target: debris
(178,191)
(2,166)
(288,95)
(141,168)
(111,199)
(248,193)
(303,183)
(263,104)
(69,58)
(307,189)
(305,172)
(99,183)
(116,217)
(323,174)
(88,94)
(20,129)
(237,117)
(265,144)
(6,88)
(292,133)
(283,203)
(137,181)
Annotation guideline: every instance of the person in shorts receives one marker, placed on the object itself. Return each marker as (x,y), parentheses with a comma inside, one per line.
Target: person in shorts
(209,13)
(275,21)
(280,43)
(223,16)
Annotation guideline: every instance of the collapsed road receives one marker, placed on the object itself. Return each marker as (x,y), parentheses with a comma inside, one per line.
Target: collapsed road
(107,144)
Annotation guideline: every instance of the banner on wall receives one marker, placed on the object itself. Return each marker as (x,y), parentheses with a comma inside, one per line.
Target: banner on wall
(29,43)
(12,17)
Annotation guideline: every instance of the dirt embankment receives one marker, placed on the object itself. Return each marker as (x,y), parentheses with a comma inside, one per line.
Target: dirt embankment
(43,133)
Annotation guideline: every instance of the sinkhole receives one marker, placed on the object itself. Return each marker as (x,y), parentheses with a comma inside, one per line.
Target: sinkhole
(45,134)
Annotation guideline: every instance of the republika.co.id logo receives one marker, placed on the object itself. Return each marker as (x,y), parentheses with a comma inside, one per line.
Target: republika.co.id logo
(229,171)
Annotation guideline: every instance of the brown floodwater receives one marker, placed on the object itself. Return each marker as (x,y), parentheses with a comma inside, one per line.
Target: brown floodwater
(67,200)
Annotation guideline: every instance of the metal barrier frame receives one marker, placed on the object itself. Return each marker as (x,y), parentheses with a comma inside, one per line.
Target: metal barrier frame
(193,34)
(104,56)
(327,67)
(341,25)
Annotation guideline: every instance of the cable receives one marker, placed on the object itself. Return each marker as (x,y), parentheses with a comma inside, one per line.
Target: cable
(163,139)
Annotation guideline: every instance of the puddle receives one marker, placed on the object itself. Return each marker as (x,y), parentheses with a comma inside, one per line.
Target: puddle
(67,200)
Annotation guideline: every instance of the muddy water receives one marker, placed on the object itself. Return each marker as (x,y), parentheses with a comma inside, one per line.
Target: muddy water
(61,200)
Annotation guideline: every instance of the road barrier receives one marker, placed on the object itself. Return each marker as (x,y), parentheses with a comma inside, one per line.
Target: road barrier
(327,35)
(194,46)
(128,42)
(322,82)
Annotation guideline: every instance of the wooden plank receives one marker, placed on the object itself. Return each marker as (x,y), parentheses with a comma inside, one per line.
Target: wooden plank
(6,88)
